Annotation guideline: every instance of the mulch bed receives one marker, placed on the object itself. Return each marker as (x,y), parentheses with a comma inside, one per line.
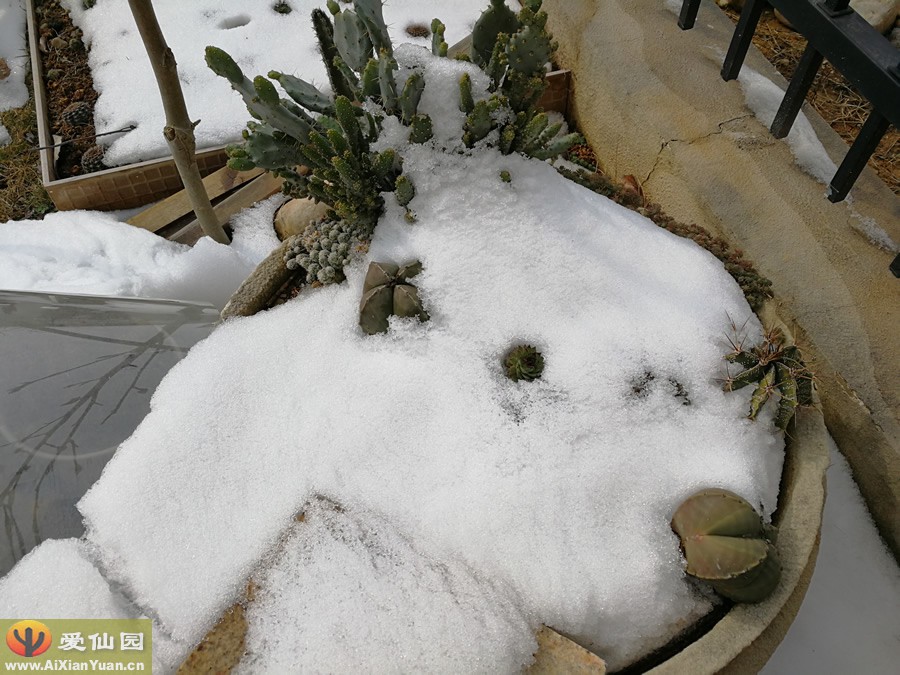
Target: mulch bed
(68,80)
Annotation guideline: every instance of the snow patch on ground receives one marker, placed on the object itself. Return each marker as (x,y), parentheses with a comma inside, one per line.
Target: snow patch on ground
(93,253)
(13,92)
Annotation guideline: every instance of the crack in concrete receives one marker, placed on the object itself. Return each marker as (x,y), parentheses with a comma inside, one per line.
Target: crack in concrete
(720,129)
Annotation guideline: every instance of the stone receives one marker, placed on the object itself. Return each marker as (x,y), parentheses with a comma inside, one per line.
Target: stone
(882,14)
(294,215)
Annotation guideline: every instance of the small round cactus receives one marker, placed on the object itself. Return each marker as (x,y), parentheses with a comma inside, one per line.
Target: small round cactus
(727,545)
(92,159)
(76,114)
(523,362)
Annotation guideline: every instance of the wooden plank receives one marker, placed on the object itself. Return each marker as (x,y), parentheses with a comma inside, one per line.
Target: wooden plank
(259,188)
(174,207)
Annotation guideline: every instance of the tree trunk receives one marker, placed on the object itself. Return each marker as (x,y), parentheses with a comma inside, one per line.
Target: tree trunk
(179,130)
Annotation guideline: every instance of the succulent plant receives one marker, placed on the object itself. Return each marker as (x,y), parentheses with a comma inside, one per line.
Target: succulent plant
(386,292)
(773,366)
(92,159)
(324,248)
(438,45)
(523,362)
(496,19)
(726,544)
(76,114)
(282,7)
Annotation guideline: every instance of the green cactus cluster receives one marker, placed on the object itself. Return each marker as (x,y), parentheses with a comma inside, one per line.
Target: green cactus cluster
(513,50)
(523,362)
(324,248)
(772,366)
(726,544)
(387,292)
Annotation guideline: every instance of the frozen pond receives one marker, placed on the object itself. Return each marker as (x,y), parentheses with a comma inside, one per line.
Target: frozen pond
(76,377)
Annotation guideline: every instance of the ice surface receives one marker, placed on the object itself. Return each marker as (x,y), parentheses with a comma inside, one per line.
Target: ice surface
(13,50)
(333,593)
(559,490)
(108,257)
(259,39)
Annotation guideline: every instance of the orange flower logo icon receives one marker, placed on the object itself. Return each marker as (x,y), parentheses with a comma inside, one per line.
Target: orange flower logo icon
(28,638)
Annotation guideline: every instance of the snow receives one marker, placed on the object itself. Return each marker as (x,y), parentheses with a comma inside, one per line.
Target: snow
(108,257)
(338,562)
(13,93)
(128,91)
(539,491)
(854,593)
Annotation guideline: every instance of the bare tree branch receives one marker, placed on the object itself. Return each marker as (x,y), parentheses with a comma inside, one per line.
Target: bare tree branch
(179,130)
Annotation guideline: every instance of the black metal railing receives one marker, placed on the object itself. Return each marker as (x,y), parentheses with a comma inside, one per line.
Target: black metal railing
(859,52)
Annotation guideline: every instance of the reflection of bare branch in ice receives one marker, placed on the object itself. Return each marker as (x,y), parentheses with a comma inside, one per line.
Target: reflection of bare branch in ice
(78,408)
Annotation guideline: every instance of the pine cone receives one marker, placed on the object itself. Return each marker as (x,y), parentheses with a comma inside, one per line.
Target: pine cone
(76,114)
(92,159)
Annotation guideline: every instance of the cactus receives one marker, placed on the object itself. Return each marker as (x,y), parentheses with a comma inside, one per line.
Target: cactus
(404,190)
(410,96)
(438,45)
(76,114)
(505,176)
(352,40)
(726,544)
(325,36)
(478,123)
(529,49)
(466,102)
(282,7)
(324,248)
(386,292)
(370,13)
(773,366)
(386,67)
(420,129)
(304,93)
(92,159)
(496,19)
(523,362)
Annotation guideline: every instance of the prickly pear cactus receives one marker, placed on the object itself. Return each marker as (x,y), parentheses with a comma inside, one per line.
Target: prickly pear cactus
(726,544)
(496,19)
(387,292)
(523,362)
(773,367)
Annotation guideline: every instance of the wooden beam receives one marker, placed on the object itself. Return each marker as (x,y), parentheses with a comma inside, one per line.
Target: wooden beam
(172,208)
(259,188)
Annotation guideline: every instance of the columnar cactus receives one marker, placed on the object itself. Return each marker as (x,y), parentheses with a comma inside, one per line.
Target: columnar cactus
(727,545)
(438,45)
(774,366)
(386,292)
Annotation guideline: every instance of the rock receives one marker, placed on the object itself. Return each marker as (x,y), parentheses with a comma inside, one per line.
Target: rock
(895,37)
(294,215)
(882,14)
